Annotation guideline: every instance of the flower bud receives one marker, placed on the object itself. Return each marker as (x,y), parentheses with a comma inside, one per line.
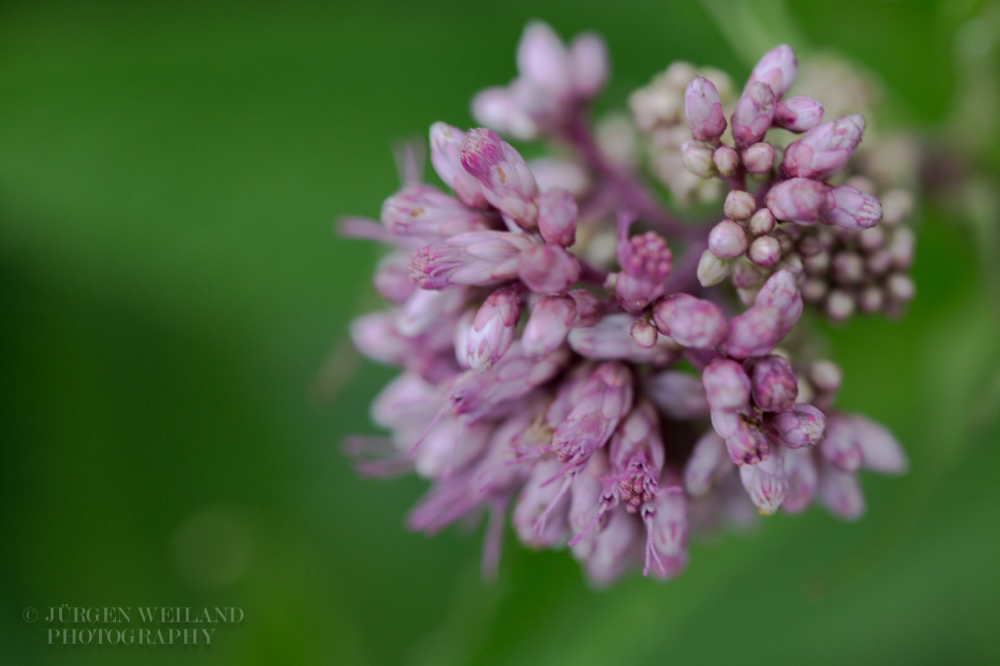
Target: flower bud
(727,386)
(478,258)
(424,212)
(765,251)
(698,158)
(645,260)
(879,449)
(726,160)
(801,479)
(840,493)
(762,222)
(503,174)
(840,446)
(781,292)
(548,325)
(774,385)
(851,209)
(712,270)
(497,108)
(643,333)
(727,240)
(753,115)
(677,394)
(709,460)
(557,217)
(759,157)
(548,269)
(777,68)
(823,149)
(765,483)
(797,200)
(739,205)
(542,59)
(703,110)
(801,426)
(691,322)
(588,60)
(798,114)
(446,156)
(754,333)
(840,305)
(493,328)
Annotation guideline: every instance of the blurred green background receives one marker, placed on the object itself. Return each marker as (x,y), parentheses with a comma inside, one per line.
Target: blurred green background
(176,381)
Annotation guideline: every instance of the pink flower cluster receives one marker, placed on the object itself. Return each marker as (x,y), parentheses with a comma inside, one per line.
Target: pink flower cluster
(633,405)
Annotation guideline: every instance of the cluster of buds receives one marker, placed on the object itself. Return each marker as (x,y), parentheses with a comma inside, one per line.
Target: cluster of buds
(658,112)
(633,406)
(828,235)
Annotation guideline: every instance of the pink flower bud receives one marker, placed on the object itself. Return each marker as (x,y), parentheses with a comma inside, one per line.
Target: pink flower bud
(503,174)
(677,394)
(739,205)
(727,386)
(643,333)
(823,149)
(548,269)
(613,549)
(703,110)
(708,462)
(798,114)
(424,212)
(606,399)
(611,338)
(392,278)
(588,56)
(800,426)
(840,493)
(774,385)
(446,156)
(645,261)
(776,68)
(589,308)
(689,321)
(478,258)
(726,160)
(637,455)
(851,209)
(496,107)
(762,222)
(541,498)
(542,59)
(879,449)
(782,292)
(668,533)
(755,332)
(753,115)
(557,217)
(801,479)
(765,483)
(797,200)
(765,251)
(746,444)
(759,157)
(492,330)
(840,446)
(727,240)
(548,325)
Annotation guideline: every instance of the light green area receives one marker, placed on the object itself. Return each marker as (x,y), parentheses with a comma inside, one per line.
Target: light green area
(175,381)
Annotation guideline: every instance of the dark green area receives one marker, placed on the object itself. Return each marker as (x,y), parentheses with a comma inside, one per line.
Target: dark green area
(175,379)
